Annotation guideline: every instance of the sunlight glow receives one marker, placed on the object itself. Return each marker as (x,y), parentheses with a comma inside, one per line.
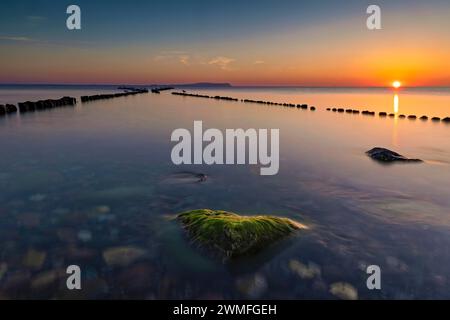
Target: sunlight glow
(396,84)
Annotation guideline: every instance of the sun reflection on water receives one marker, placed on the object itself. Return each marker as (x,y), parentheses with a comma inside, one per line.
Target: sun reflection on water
(396,103)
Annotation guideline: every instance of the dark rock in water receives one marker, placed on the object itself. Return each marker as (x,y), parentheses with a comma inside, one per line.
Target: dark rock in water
(435,119)
(382,114)
(2,110)
(122,256)
(313,108)
(402,116)
(446,119)
(355,111)
(341,110)
(412,117)
(423,118)
(201,177)
(334,109)
(229,235)
(386,155)
(391,115)
(186,177)
(328,109)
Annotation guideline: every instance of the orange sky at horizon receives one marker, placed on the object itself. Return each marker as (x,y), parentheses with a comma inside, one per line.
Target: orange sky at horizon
(336,53)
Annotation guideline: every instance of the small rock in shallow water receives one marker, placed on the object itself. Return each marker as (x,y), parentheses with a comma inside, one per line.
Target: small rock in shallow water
(66,235)
(122,256)
(136,277)
(3,269)
(29,220)
(103,209)
(106,218)
(38,197)
(85,235)
(253,286)
(304,271)
(46,278)
(16,282)
(386,155)
(61,211)
(344,291)
(75,253)
(185,177)
(396,264)
(34,259)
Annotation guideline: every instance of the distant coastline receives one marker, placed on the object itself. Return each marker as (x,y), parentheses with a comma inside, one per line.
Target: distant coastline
(213,85)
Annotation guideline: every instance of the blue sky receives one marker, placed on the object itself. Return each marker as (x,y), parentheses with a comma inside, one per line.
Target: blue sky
(230,32)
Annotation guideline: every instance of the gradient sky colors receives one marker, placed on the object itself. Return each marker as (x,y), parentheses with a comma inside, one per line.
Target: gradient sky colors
(287,42)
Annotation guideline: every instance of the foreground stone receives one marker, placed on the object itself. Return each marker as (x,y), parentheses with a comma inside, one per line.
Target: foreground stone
(229,235)
(344,291)
(386,155)
(122,256)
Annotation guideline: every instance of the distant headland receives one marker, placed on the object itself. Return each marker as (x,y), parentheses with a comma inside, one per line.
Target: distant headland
(202,85)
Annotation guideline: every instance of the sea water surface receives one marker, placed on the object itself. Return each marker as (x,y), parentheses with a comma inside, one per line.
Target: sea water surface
(95,186)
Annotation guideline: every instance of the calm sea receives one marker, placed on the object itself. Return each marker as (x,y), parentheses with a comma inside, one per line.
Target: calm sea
(94,186)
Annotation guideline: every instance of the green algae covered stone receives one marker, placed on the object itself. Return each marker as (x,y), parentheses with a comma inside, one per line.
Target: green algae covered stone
(230,235)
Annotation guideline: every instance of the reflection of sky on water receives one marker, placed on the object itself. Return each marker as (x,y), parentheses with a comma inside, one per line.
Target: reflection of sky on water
(80,183)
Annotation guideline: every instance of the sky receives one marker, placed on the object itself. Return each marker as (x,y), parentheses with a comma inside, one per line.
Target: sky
(272,43)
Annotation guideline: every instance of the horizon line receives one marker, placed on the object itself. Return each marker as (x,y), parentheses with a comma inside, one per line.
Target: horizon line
(217,84)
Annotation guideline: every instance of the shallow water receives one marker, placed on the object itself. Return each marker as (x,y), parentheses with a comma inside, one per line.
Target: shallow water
(94,186)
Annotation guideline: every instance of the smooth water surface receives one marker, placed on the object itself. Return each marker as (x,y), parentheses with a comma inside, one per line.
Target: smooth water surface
(94,186)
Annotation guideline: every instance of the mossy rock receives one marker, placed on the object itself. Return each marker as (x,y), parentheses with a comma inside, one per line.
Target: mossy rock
(229,235)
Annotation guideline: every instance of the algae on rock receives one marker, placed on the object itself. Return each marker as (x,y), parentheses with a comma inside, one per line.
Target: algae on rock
(230,235)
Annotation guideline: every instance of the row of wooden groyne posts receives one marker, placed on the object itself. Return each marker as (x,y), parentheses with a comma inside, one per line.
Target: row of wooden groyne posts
(290,105)
(130,92)
(312,108)
(390,115)
(31,106)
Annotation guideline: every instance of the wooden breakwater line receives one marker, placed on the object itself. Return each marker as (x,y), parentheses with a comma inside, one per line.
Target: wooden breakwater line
(383,114)
(159,89)
(312,108)
(130,92)
(7,109)
(290,105)
(31,106)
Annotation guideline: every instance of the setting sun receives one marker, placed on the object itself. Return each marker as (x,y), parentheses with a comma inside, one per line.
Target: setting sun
(396,84)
